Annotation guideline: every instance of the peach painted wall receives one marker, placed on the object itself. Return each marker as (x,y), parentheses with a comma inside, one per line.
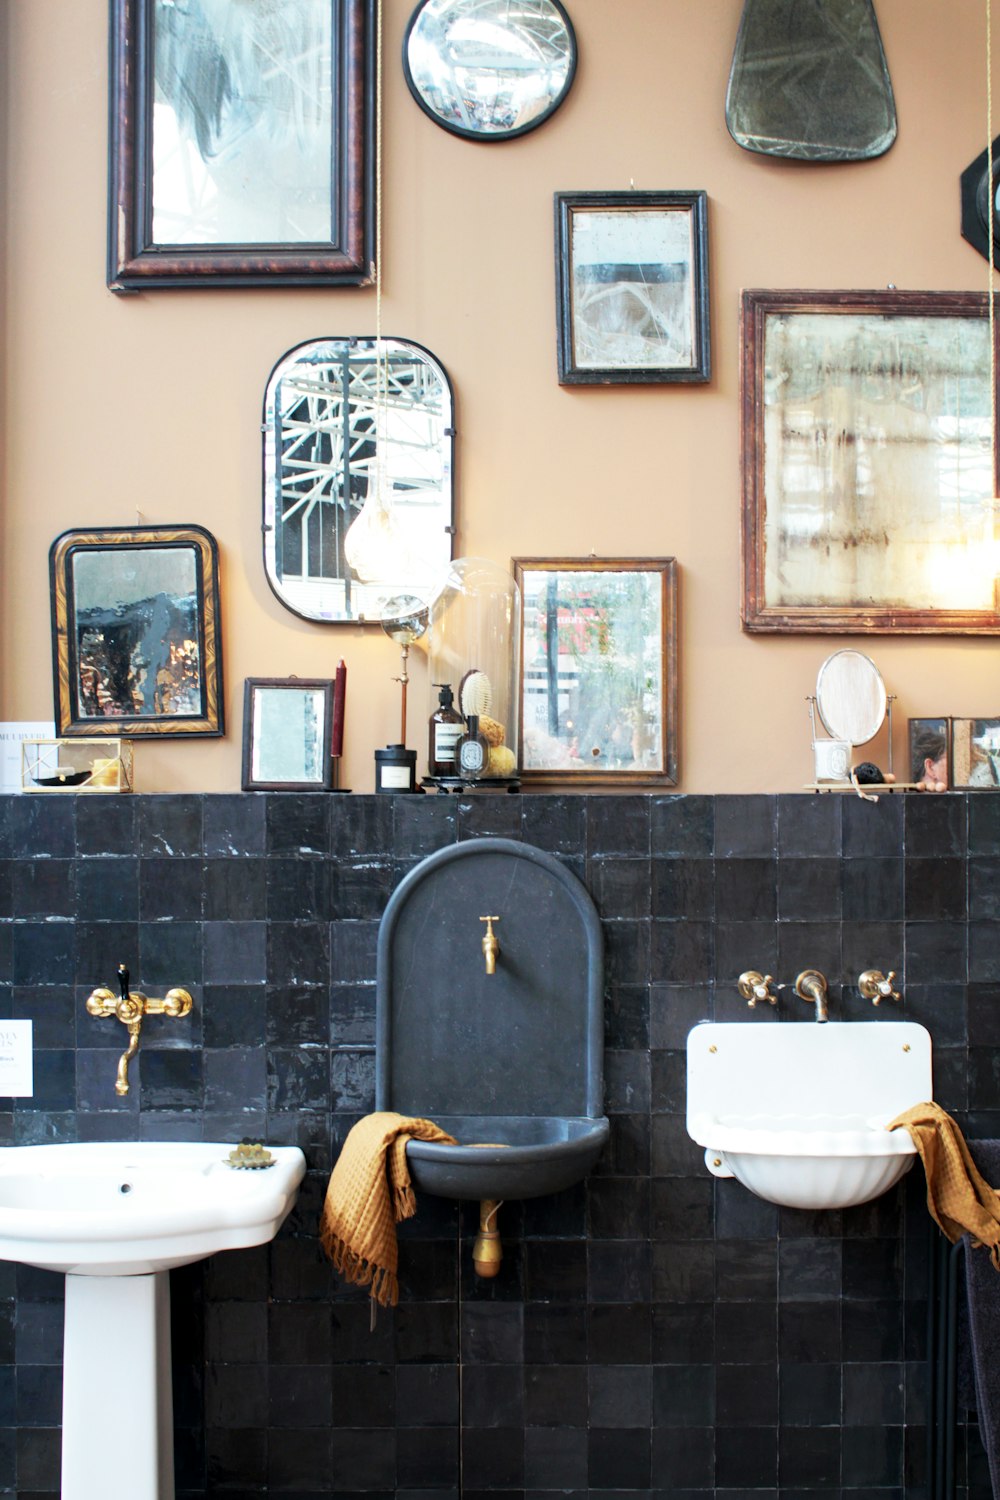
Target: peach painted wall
(150,405)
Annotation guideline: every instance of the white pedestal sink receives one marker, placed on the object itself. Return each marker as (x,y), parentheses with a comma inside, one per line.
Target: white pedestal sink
(114,1218)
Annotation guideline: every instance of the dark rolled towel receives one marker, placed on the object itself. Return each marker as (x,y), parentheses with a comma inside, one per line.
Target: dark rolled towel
(979,1327)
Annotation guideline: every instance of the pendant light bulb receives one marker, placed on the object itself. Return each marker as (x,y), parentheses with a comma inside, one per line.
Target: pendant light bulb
(372,545)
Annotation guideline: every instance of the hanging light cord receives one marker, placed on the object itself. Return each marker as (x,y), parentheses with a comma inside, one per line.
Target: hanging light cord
(990,216)
(381,373)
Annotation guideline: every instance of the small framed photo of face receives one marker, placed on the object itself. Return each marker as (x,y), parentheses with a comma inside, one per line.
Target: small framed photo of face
(975,754)
(929,744)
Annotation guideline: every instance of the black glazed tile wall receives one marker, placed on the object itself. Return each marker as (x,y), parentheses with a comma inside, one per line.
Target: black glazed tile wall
(652,1332)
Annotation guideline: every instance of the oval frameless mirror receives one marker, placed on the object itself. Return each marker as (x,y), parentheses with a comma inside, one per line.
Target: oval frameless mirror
(489,69)
(851,697)
(336,411)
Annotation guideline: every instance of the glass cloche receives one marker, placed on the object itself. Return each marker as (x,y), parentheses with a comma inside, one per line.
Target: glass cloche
(473,648)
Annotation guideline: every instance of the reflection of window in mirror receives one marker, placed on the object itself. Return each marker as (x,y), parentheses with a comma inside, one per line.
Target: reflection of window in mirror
(598,670)
(337,413)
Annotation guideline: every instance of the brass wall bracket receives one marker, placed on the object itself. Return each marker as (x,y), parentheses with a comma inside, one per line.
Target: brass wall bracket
(130,1007)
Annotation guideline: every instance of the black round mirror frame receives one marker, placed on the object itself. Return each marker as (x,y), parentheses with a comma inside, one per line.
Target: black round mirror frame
(975,204)
(487,135)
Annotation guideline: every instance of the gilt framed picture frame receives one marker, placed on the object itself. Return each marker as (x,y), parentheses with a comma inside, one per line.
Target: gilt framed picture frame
(867,463)
(242,143)
(632,287)
(598,700)
(135,632)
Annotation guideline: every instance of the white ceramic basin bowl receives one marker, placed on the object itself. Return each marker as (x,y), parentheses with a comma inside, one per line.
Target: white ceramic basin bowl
(797,1111)
(129,1209)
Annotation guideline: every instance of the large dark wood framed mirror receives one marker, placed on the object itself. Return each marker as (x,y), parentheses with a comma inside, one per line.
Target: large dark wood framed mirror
(242,143)
(868,463)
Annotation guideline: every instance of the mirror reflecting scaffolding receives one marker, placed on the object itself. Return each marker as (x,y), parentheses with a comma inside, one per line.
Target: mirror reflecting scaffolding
(326,423)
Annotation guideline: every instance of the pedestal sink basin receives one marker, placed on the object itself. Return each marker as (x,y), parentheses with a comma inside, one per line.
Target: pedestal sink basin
(797,1111)
(115,1217)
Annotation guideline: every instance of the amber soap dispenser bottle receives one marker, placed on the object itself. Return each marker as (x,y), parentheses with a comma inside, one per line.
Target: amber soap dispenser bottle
(446,725)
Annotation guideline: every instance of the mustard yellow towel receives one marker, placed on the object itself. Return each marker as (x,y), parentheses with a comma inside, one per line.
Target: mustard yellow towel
(958,1198)
(368,1193)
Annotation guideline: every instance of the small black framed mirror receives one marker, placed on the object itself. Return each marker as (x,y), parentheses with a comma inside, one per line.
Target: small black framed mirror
(489,69)
(287,734)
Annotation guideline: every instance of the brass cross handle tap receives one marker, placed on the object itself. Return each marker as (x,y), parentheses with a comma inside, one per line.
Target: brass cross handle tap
(491,946)
(876,986)
(753,987)
(130,1007)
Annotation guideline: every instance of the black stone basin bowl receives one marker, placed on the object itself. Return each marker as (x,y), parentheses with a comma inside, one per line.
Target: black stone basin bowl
(522,1156)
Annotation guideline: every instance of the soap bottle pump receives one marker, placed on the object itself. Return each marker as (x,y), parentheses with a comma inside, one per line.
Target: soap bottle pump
(472,751)
(446,725)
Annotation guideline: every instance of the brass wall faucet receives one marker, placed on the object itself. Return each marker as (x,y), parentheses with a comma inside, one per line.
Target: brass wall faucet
(130,1008)
(491,946)
(811,985)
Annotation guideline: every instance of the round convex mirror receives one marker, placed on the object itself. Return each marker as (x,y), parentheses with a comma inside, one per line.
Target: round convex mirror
(851,697)
(489,69)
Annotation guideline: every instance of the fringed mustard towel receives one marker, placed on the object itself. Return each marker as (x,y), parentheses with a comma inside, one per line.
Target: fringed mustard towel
(959,1199)
(368,1193)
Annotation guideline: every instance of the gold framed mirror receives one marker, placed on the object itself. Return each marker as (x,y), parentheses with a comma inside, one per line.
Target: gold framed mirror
(599,667)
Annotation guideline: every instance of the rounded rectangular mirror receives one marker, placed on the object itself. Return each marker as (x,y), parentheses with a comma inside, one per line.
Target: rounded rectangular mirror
(337,410)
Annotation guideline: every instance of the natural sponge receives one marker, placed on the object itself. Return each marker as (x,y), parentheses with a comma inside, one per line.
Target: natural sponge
(502,761)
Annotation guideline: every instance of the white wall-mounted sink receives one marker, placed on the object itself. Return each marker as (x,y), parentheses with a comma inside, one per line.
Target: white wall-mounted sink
(115,1217)
(798,1112)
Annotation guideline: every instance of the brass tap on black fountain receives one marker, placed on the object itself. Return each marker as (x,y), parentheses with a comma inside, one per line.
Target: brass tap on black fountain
(491,945)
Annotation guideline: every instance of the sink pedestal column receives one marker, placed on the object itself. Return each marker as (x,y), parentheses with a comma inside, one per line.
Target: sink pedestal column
(117,1437)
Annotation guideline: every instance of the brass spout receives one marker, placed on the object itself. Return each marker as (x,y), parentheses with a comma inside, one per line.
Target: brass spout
(491,946)
(129,1008)
(487,1252)
(811,985)
(121,1081)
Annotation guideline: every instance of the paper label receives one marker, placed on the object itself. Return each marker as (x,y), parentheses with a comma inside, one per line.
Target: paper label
(395,776)
(445,736)
(16,1076)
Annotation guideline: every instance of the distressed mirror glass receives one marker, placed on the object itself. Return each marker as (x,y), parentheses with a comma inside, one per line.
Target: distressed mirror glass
(868,467)
(851,697)
(287,734)
(334,411)
(598,669)
(810,82)
(490,69)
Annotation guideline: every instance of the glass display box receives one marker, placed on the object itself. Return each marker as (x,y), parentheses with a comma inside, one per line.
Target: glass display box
(76,765)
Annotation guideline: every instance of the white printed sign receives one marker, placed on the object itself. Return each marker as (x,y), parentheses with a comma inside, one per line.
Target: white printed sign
(16,1075)
(11,737)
